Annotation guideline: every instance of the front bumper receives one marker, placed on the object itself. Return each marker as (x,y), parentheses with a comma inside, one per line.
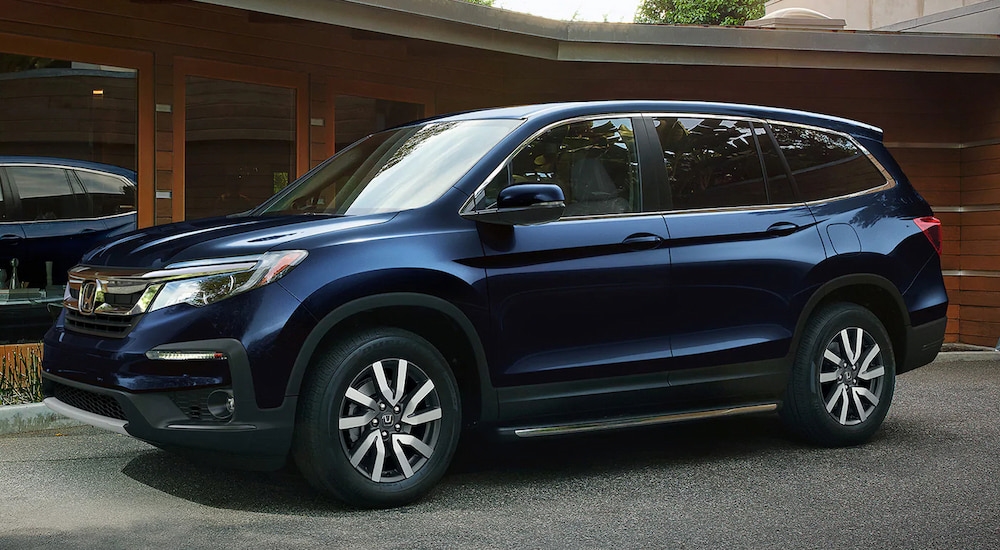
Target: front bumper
(179,419)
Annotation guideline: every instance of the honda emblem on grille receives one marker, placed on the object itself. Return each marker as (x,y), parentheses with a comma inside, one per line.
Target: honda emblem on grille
(88,297)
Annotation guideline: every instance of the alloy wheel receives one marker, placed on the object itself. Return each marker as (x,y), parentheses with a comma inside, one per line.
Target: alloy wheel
(390,420)
(851,376)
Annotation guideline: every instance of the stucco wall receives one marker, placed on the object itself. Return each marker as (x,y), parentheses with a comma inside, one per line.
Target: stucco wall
(871,14)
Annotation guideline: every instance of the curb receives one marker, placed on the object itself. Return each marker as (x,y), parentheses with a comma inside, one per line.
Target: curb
(32,417)
(968,356)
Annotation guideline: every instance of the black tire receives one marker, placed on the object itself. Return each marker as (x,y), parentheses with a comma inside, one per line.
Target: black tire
(842,402)
(405,431)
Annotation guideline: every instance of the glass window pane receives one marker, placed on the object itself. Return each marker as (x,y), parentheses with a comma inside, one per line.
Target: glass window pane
(594,161)
(710,162)
(394,170)
(110,195)
(67,109)
(53,111)
(239,144)
(825,165)
(45,194)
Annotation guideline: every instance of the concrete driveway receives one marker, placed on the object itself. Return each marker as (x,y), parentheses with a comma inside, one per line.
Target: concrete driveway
(930,479)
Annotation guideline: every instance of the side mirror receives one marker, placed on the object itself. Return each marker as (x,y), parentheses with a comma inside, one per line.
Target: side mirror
(523,204)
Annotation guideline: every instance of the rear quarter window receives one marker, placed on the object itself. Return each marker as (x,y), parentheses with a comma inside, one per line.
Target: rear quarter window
(826,164)
(111,195)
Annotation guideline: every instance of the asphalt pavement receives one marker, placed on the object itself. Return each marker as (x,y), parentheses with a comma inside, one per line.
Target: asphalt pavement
(929,479)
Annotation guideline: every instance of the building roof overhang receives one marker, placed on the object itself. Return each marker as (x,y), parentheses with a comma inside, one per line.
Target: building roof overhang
(464,24)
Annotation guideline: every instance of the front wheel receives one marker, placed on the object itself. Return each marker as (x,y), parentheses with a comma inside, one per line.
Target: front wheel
(379,419)
(843,377)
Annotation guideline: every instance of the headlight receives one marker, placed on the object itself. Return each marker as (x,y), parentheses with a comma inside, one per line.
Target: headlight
(203,282)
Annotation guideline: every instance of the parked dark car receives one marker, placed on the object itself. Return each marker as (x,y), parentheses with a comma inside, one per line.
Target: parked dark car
(531,271)
(52,210)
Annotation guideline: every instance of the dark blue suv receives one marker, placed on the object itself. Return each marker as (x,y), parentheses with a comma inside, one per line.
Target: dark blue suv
(531,271)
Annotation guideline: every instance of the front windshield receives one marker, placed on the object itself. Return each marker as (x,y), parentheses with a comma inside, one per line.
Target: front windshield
(393,170)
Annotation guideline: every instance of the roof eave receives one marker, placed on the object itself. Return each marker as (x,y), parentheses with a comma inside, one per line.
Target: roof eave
(470,25)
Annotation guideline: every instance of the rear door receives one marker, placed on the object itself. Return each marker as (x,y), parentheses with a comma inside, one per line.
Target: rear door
(741,248)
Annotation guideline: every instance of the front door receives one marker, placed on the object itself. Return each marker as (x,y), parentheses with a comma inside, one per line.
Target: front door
(582,297)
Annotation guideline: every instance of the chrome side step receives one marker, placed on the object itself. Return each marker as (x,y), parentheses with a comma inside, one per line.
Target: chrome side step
(632,422)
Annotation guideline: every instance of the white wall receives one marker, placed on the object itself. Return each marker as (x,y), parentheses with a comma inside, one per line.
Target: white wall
(871,14)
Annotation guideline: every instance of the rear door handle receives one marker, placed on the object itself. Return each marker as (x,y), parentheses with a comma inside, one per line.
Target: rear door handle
(782,228)
(642,241)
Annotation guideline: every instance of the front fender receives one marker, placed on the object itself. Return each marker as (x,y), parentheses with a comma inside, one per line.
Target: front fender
(369,303)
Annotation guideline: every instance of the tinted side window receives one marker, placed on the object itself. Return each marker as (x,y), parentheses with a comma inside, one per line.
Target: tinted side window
(45,194)
(110,194)
(825,164)
(594,161)
(710,162)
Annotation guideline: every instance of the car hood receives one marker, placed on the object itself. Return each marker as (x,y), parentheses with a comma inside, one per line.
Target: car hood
(159,246)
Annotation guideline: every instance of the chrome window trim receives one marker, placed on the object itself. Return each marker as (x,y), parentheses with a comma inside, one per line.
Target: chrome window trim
(64,167)
(71,219)
(727,209)
(73,168)
(469,206)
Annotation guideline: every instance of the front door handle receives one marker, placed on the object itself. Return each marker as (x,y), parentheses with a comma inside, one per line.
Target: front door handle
(782,228)
(643,241)
(10,237)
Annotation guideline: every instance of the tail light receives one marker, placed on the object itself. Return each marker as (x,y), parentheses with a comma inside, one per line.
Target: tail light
(931,228)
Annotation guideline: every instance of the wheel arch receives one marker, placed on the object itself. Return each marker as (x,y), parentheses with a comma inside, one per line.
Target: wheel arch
(434,319)
(873,292)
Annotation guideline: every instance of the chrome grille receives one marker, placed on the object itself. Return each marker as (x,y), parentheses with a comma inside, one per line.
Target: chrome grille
(113,305)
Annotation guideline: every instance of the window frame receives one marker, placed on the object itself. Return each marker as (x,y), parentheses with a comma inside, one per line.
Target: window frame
(143,63)
(184,67)
(361,88)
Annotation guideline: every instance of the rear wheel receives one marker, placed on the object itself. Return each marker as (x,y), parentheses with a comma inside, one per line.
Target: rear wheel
(843,377)
(378,420)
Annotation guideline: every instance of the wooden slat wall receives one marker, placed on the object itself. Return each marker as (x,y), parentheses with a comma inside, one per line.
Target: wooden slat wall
(926,117)
(978,296)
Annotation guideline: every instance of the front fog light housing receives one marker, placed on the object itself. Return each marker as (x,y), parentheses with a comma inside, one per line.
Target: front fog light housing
(203,282)
(221,404)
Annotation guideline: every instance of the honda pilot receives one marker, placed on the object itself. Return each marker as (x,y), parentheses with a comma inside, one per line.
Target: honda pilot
(529,272)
